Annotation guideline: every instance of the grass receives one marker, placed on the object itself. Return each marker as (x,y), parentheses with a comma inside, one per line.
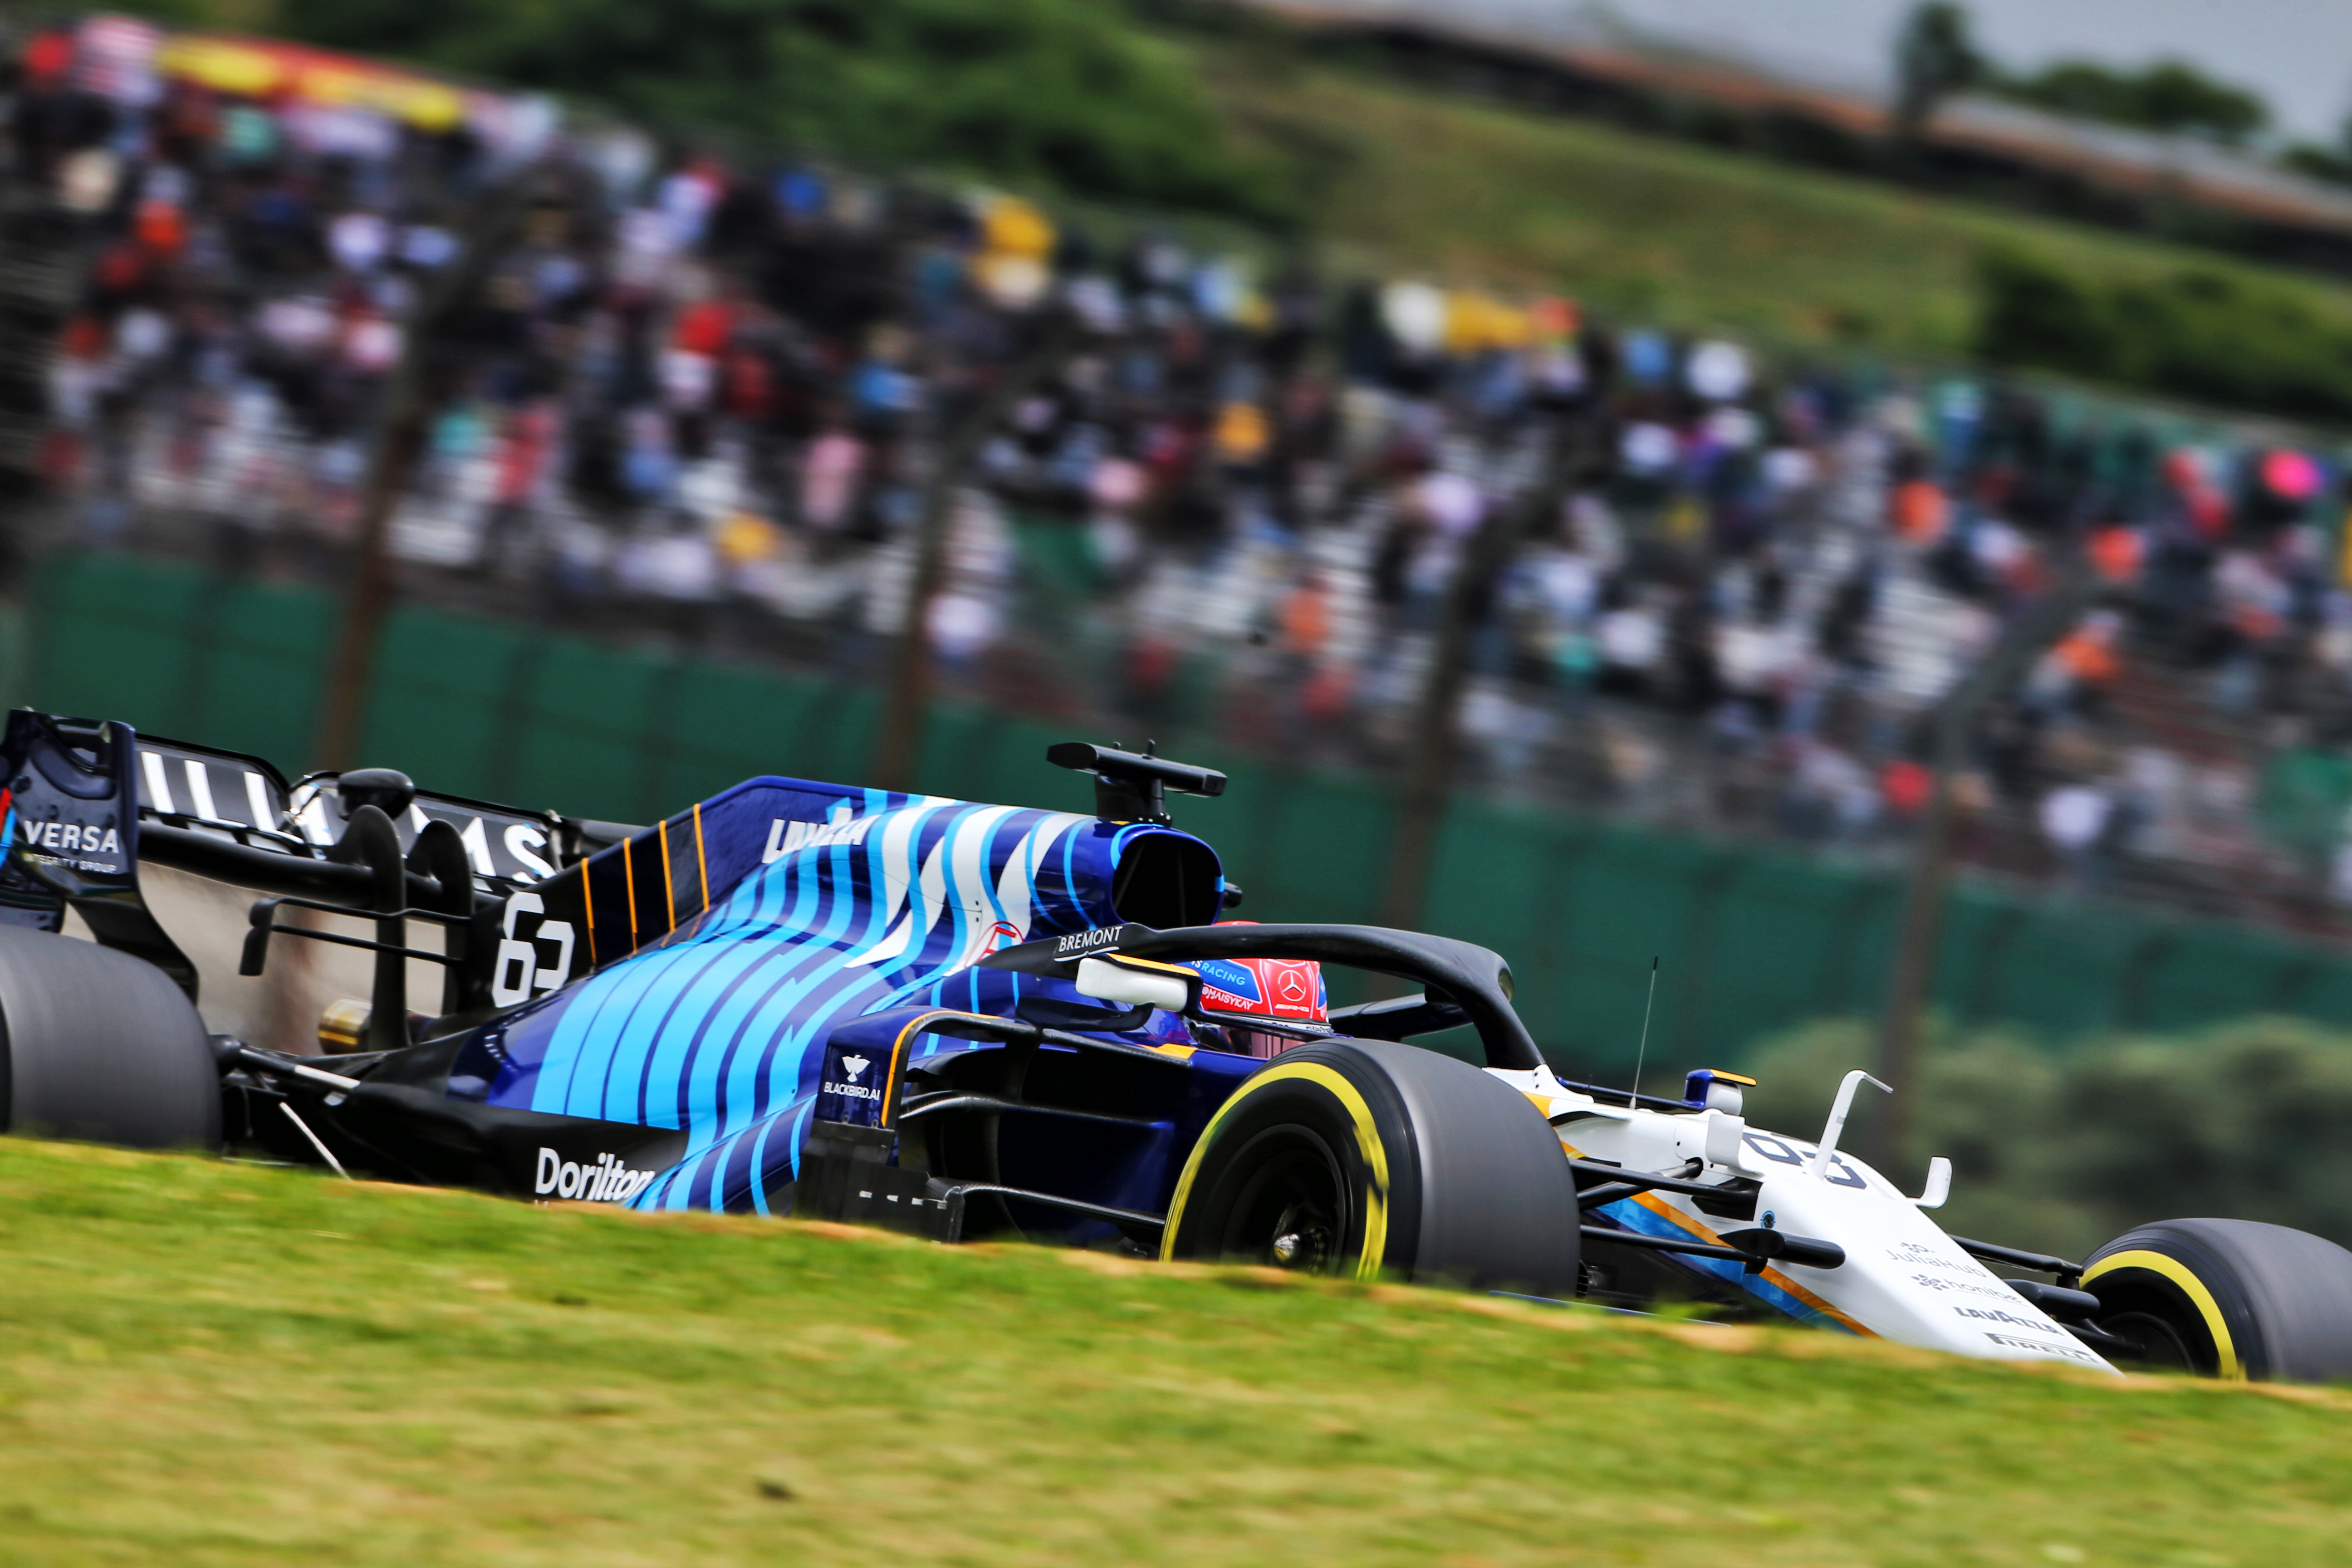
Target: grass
(204,1364)
(1663,230)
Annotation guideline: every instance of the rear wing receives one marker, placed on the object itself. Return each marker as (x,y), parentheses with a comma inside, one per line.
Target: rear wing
(232,797)
(528,899)
(84,802)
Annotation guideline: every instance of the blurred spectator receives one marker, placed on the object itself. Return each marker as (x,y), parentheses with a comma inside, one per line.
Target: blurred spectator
(707,396)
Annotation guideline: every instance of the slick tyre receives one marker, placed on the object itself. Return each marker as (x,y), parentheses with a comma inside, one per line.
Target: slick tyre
(97,1044)
(1366,1158)
(2229,1298)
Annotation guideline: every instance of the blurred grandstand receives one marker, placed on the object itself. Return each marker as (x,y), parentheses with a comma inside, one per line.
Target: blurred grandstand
(699,401)
(1590,63)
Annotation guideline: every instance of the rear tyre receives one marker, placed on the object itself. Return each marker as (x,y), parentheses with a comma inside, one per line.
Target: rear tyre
(1362,1158)
(2231,1298)
(97,1044)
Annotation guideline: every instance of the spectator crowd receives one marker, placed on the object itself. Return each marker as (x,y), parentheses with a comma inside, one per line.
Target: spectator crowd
(702,399)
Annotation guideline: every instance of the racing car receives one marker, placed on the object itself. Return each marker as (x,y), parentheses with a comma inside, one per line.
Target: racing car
(964,1020)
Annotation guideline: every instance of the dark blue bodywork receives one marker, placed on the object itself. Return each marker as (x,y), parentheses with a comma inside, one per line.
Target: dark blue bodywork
(690,980)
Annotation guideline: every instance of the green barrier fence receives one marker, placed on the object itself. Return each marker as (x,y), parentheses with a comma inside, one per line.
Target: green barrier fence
(1751,939)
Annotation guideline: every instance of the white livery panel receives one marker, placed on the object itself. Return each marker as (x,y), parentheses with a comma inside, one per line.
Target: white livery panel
(1903,1277)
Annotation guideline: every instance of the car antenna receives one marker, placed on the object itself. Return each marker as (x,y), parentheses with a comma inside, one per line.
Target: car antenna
(1633,1100)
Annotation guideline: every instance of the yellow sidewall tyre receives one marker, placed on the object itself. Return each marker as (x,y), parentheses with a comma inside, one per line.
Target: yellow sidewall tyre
(1366,1159)
(2231,1299)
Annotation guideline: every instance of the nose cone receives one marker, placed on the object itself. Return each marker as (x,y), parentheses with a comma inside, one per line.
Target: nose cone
(1902,1279)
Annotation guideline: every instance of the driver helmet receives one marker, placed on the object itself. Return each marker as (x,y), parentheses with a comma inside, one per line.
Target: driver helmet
(1239,989)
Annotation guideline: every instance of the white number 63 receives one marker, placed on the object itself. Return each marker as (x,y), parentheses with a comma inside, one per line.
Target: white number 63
(519,973)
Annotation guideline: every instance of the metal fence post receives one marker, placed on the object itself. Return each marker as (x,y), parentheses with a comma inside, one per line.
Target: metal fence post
(401,423)
(907,688)
(1434,740)
(1914,977)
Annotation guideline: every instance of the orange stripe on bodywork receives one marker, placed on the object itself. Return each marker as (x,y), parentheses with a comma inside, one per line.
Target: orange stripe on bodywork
(588,903)
(921,1024)
(915,1026)
(629,882)
(669,888)
(1664,1210)
(1131,961)
(701,864)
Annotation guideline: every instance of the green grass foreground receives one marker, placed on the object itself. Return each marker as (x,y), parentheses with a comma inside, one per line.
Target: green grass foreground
(204,1363)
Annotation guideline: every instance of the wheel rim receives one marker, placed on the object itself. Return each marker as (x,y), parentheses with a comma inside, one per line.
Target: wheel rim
(1289,1207)
(2161,1347)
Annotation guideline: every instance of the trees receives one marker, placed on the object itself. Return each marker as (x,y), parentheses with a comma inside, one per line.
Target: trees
(1062,91)
(1934,57)
(2209,336)
(2324,161)
(2061,1149)
(2167,96)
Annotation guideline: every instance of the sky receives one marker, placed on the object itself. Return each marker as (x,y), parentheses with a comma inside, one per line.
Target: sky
(2297,53)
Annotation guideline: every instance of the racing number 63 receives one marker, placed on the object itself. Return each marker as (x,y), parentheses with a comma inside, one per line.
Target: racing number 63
(519,972)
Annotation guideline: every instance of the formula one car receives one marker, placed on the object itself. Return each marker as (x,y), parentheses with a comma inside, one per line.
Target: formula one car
(960,1020)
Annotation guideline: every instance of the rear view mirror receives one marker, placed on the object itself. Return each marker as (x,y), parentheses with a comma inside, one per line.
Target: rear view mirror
(1727,1140)
(1137,983)
(1939,1183)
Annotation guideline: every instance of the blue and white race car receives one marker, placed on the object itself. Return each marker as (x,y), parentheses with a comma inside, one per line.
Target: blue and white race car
(964,1020)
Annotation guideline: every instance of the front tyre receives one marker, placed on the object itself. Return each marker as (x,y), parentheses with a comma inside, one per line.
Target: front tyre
(2231,1298)
(1358,1158)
